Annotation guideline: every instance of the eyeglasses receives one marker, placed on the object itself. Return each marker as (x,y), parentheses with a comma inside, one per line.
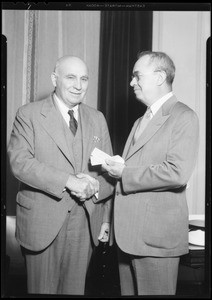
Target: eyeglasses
(137,76)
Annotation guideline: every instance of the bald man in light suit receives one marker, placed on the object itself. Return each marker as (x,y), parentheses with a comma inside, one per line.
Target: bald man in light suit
(62,206)
(150,209)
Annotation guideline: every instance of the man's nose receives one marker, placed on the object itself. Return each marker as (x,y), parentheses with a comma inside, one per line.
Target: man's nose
(78,84)
(133,82)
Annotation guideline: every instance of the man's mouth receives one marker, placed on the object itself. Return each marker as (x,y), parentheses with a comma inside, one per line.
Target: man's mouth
(77,94)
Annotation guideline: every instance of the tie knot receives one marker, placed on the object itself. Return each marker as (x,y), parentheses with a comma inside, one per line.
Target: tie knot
(71,113)
(148,112)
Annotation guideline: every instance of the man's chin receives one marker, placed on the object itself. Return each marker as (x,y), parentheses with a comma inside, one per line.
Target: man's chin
(76,100)
(139,97)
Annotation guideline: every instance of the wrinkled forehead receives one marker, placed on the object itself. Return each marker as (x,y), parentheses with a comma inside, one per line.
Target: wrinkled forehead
(72,65)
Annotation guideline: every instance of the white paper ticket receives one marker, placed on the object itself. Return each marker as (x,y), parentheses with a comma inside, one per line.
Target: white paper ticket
(98,157)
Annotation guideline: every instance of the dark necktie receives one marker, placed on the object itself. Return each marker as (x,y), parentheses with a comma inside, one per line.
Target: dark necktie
(73,122)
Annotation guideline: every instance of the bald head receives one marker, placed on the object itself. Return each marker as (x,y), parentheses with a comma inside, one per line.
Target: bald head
(68,59)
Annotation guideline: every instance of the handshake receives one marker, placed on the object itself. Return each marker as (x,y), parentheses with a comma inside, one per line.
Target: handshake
(82,186)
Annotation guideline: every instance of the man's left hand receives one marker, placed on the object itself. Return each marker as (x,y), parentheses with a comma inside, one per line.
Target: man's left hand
(113,168)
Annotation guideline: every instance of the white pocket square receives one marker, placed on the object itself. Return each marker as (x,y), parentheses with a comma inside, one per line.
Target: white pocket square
(96,139)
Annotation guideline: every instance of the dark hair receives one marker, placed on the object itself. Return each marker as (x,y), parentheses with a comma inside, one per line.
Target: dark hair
(162,62)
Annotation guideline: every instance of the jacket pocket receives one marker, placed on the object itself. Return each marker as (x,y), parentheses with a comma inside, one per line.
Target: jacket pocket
(24,201)
(162,228)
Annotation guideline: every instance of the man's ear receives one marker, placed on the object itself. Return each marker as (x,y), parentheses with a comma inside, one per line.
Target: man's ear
(54,79)
(161,77)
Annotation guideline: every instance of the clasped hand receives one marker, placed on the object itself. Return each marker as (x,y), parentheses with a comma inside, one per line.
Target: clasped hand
(83,186)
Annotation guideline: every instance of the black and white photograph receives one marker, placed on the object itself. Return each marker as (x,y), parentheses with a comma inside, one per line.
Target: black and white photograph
(105,150)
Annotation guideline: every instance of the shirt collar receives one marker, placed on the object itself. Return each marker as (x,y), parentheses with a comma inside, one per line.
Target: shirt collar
(64,108)
(155,106)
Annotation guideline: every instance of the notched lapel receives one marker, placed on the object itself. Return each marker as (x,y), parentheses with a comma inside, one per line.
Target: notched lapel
(159,119)
(52,124)
(87,134)
(129,140)
(148,133)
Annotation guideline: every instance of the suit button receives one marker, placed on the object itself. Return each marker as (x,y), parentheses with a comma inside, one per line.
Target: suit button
(117,193)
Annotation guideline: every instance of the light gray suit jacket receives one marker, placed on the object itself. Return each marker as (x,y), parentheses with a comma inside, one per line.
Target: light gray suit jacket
(150,209)
(41,159)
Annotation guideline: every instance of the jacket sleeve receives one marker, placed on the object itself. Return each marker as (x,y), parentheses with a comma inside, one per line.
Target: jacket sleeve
(106,183)
(175,171)
(24,165)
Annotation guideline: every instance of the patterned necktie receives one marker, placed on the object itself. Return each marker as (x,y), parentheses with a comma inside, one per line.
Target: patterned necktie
(73,122)
(142,124)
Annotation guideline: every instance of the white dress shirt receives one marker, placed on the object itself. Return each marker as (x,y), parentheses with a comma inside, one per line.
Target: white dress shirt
(155,106)
(64,109)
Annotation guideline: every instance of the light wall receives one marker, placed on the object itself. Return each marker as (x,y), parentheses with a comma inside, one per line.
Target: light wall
(183,36)
(55,33)
(68,33)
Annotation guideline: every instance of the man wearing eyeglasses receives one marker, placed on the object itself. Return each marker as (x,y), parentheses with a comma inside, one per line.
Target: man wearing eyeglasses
(150,209)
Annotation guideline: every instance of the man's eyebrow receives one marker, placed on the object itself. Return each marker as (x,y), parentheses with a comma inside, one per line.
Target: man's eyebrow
(72,74)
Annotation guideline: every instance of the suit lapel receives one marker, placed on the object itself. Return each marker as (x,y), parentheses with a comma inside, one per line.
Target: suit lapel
(129,140)
(158,120)
(52,123)
(87,134)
